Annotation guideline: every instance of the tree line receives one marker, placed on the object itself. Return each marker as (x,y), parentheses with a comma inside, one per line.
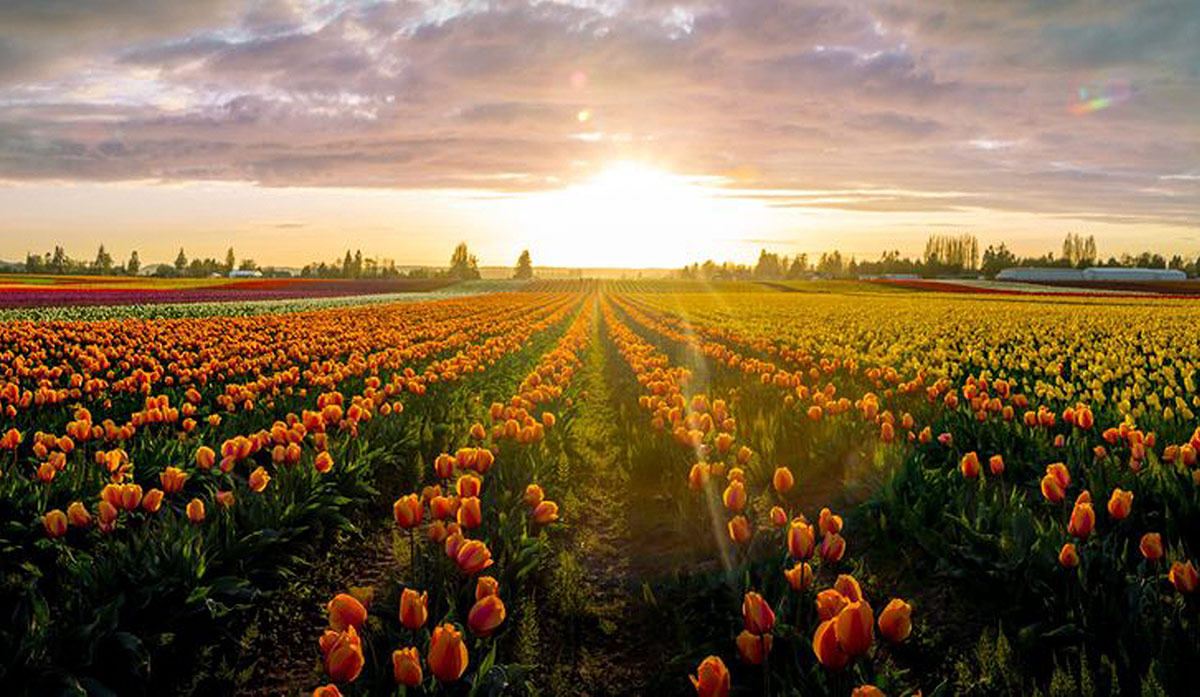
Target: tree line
(59,262)
(463,266)
(944,255)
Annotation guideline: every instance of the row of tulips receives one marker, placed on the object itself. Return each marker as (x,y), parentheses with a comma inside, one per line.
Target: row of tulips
(843,626)
(456,518)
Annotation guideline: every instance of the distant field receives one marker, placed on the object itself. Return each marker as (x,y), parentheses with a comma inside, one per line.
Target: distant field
(45,291)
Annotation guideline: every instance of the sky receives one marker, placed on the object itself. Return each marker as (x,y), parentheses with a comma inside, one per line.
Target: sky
(638,133)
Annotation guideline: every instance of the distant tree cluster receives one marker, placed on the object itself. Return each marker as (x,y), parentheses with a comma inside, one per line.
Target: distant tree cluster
(59,262)
(945,255)
(354,266)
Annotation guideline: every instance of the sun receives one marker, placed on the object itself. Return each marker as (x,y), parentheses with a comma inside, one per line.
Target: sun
(632,214)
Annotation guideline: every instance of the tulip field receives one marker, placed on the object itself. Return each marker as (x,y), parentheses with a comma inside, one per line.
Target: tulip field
(605,488)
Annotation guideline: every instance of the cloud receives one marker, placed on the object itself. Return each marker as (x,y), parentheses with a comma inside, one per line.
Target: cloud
(901,95)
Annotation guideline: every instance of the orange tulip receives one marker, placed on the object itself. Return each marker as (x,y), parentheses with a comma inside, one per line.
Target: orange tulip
(485,586)
(735,496)
(486,615)
(473,556)
(778,517)
(1052,490)
(783,481)
(545,513)
(867,691)
(1183,577)
(346,611)
(413,609)
(259,480)
(711,678)
(826,647)
(754,648)
(895,622)
(55,522)
(1068,557)
(757,614)
(1083,520)
(205,457)
(406,667)
(1060,473)
(344,659)
(225,499)
(448,657)
(855,626)
(833,547)
(108,515)
(1120,504)
(407,511)
(799,577)
(828,522)
(78,514)
(329,690)
(698,476)
(848,586)
(152,501)
(172,479)
(534,495)
(739,529)
(323,462)
(970,465)
(1151,546)
(996,465)
(470,515)
(830,603)
(468,485)
(801,540)
(131,496)
(195,511)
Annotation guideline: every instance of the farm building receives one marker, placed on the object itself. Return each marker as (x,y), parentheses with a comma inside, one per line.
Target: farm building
(1039,273)
(243,273)
(1095,273)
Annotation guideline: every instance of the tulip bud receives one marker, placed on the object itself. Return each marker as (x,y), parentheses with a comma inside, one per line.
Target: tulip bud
(801,540)
(754,648)
(996,465)
(448,657)
(1120,504)
(783,481)
(406,667)
(970,465)
(55,522)
(346,611)
(739,529)
(470,515)
(533,495)
(485,586)
(486,615)
(1184,577)
(152,501)
(1151,546)
(472,556)
(757,614)
(545,513)
(800,576)
(413,609)
(826,647)
(344,660)
(855,626)
(195,511)
(895,622)
(407,511)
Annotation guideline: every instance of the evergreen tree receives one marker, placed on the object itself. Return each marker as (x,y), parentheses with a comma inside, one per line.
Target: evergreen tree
(134,264)
(524,270)
(181,261)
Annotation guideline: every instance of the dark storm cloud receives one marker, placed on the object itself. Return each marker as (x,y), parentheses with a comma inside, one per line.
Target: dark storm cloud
(907,96)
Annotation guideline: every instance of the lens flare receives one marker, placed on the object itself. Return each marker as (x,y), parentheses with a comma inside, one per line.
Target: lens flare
(1097,97)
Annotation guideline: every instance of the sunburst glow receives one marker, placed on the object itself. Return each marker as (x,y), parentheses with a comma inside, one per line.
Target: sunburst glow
(632,210)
